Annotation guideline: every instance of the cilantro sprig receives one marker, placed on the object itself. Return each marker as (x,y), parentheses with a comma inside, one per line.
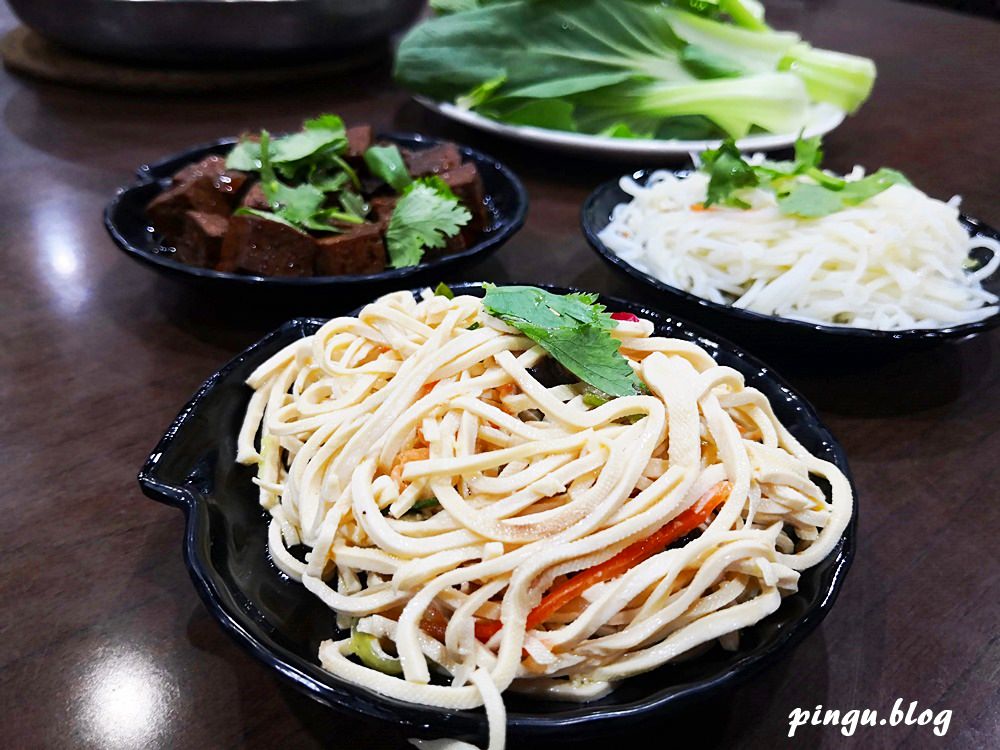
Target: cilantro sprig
(818,194)
(301,206)
(573,328)
(426,215)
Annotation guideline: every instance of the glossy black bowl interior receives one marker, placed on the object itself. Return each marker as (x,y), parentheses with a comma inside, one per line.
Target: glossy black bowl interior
(770,331)
(279,622)
(126,221)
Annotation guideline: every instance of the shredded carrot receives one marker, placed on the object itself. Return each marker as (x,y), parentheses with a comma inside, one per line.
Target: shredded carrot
(699,207)
(413,454)
(628,558)
(505,390)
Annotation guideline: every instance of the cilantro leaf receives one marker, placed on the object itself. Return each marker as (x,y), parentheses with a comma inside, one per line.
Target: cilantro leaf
(244,156)
(387,162)
(861,190)
(812,201)
(808,201)
(325,133)
(423,218)
(728,172)
(573,329)
(311,154)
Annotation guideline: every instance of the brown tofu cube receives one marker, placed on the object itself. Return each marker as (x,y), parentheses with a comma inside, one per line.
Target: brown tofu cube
(382,208)
(213,166)
(254,198)
(467,185)
(359,250)
(198,187)
(200,243)
(359,140)
(434,160)
(454,244)
(266,248)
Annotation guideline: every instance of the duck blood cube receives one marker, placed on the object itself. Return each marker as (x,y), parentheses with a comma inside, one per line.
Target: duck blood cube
(254,198)
(382,208)
(200,243)
(359,140)
(434,160)
(467,186)
(266,248)
(359,250)
(207,187)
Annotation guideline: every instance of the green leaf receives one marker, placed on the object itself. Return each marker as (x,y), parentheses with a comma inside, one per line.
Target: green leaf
(245,156)
(267,215)
(387,163)
(620,130)
(553,114)
(481,93)
(319,135)
(812,201)
(809,201)
(423,218)
(704,63)
(861,190)
(353,204)
(443,290)
(633,61)
(728,172)
(453,6)
(328,183)
(531,304)
(808,153)
(573,329)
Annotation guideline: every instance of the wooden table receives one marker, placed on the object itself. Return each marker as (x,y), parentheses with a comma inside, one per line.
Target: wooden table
(104,641)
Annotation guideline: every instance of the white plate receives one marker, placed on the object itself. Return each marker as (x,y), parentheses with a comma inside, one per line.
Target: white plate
(822,119)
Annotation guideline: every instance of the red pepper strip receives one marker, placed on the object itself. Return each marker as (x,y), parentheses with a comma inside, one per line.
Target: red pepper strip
(627,316)
(628,558)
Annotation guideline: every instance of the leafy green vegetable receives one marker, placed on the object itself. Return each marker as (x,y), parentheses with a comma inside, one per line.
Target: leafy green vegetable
(573,329)
(811,201)
(301,206)
(706,64)
(425,216)
(387,162)
(728,172)
(443,290)
(625,66)
(821,194)
(297,156)
(481,93)
(244,156)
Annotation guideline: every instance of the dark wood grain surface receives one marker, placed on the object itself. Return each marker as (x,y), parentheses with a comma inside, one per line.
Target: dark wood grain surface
(103,641)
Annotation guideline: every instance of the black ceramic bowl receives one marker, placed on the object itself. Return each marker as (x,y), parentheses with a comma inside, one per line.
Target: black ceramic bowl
(769,330)
(126,221)
(282,624)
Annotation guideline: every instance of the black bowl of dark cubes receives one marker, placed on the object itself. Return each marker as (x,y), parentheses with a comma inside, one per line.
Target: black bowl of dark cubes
(179,220)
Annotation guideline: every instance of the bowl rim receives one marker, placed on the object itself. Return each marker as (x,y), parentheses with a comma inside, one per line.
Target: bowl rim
(152,172)
(341,695)
(588,224)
